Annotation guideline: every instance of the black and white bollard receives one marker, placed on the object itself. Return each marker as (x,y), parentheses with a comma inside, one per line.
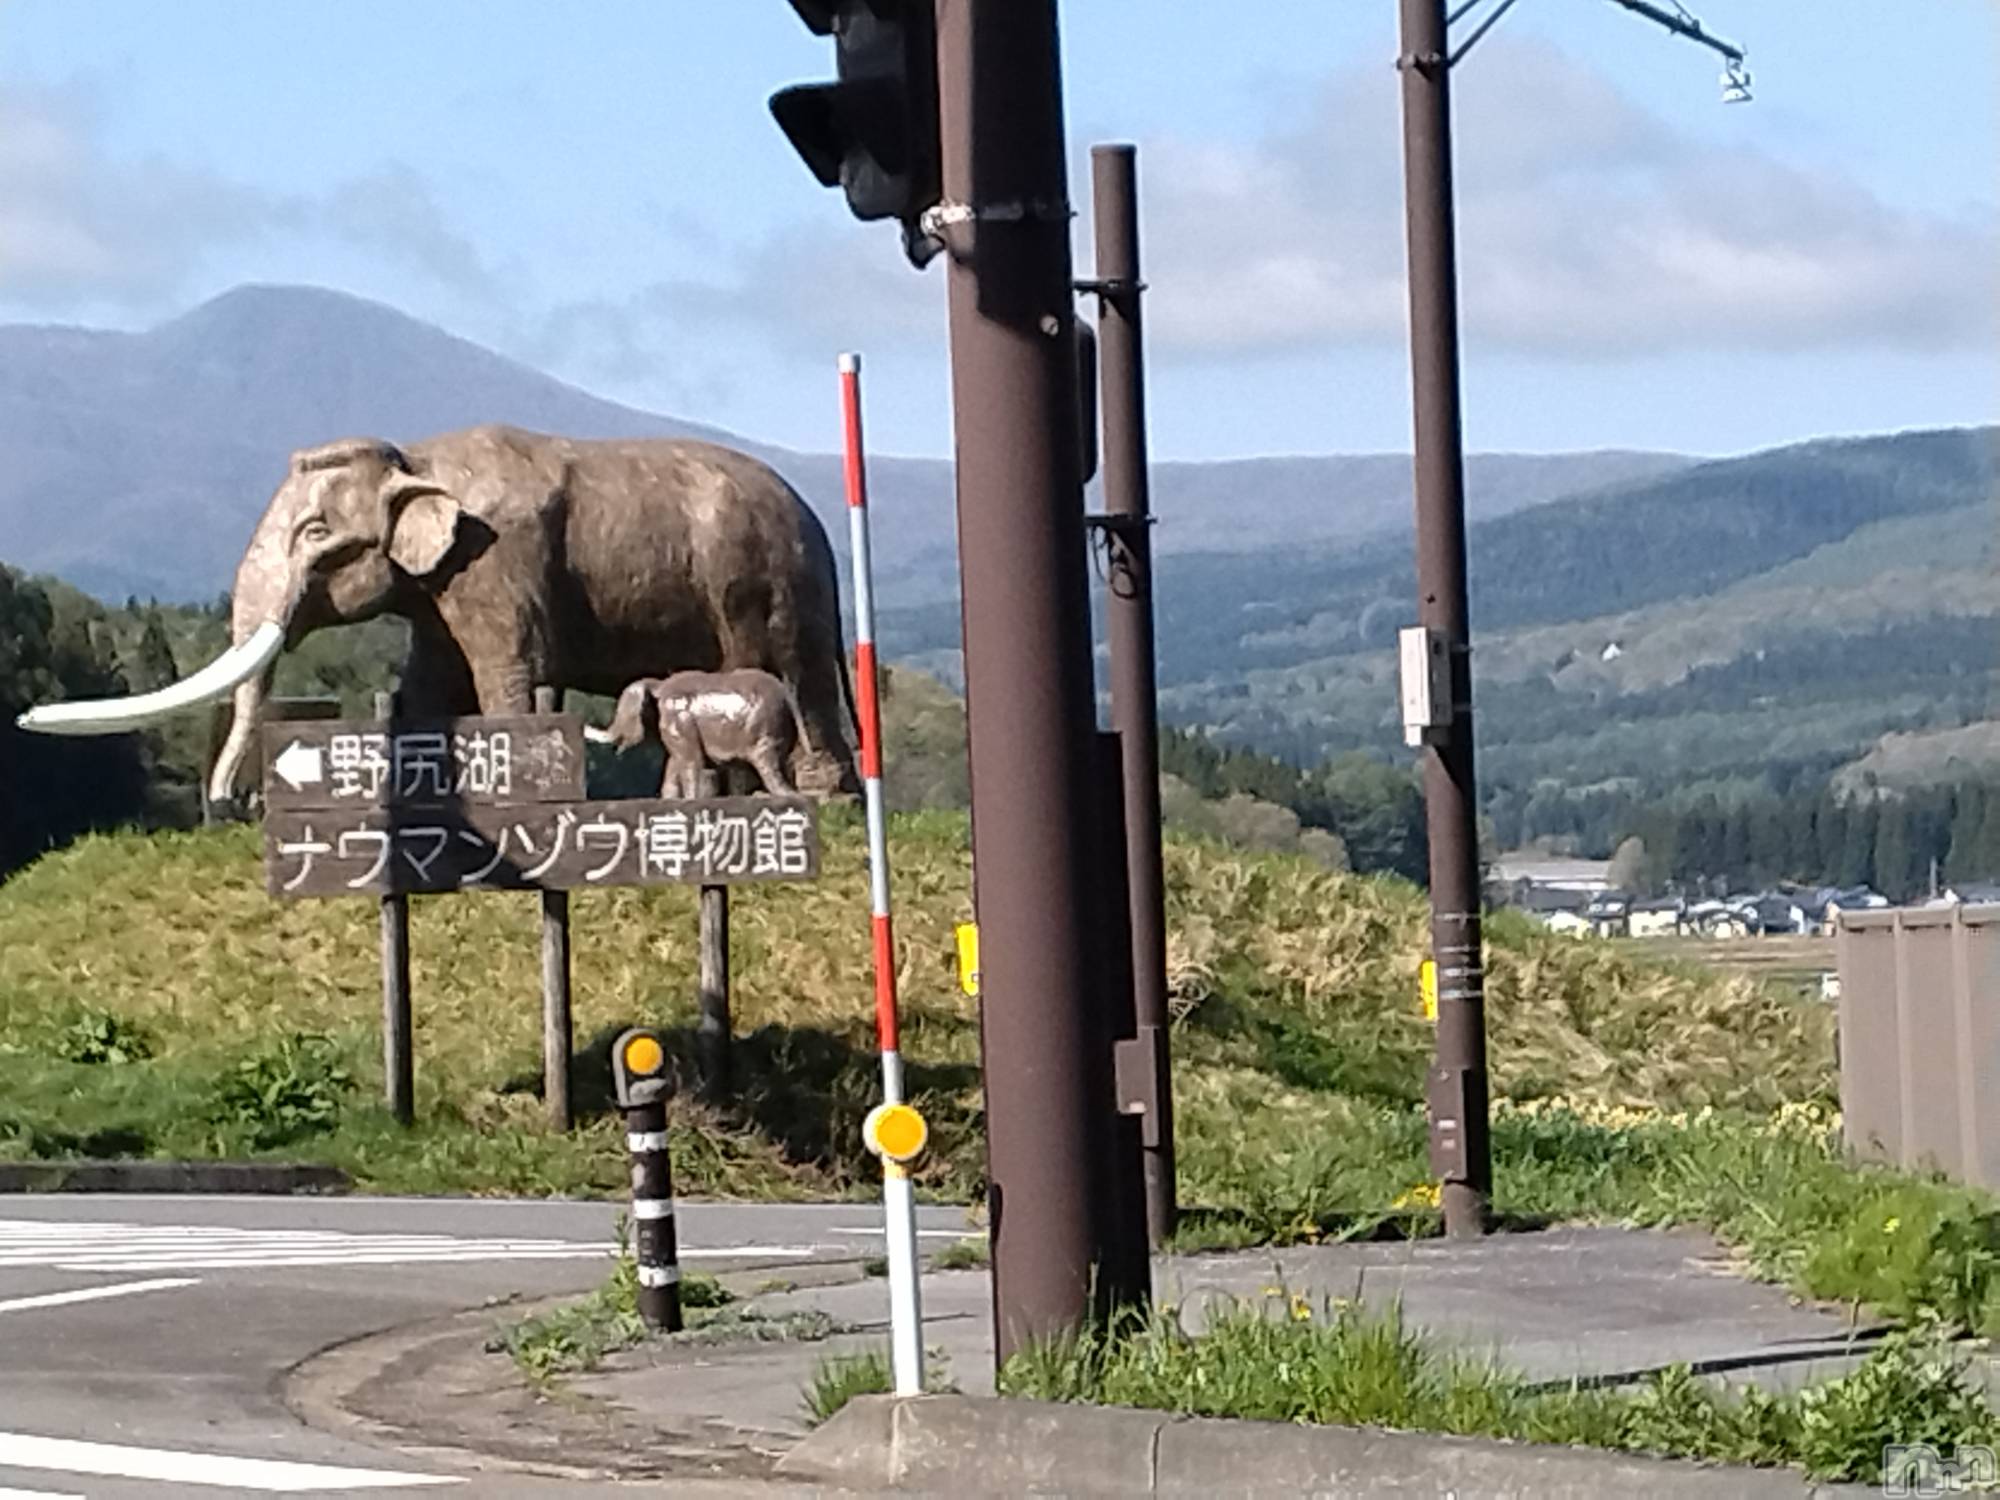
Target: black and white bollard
(638,1066)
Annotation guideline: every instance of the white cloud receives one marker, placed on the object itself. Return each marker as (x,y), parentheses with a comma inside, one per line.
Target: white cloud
(78,224)
(1587,227)
(74,224)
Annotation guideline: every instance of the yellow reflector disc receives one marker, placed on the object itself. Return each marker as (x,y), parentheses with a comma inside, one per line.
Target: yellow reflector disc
(896,1131)
(643,1055)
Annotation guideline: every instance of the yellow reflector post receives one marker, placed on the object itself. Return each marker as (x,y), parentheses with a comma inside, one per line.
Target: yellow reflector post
(968,957)
(1427,987)
(644,1056)
(895,1131)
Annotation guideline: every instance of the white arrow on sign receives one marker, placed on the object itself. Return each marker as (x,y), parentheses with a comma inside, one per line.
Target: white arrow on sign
(299,765)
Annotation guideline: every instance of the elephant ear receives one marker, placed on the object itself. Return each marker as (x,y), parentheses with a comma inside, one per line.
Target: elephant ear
(423,523)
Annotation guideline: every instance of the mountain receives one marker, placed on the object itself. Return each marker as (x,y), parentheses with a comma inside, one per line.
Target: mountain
(1641,620)
(139,462)
(1737,621)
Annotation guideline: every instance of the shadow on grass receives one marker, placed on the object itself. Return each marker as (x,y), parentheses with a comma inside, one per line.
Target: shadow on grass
(806,1089)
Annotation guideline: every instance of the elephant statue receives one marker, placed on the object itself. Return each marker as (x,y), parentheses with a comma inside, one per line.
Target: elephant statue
(707,720)
(520,561)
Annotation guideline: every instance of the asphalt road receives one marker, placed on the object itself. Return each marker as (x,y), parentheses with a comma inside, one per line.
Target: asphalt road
(143,1340)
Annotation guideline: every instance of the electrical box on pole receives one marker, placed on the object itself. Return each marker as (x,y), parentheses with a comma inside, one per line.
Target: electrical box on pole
(1426,674)
(873,132)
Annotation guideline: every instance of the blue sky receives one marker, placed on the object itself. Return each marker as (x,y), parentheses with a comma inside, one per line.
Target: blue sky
(598,189)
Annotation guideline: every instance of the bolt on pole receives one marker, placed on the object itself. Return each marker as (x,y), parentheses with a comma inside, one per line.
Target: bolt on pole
(1460,1151)
(1129,623)
(1031,715)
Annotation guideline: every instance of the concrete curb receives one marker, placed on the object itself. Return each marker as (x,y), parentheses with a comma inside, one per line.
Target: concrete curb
(171,1177)
(931,1443)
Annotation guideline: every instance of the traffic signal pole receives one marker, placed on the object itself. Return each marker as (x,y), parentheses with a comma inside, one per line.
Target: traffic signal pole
(1460,1151)
(1128,613)
(1004,221)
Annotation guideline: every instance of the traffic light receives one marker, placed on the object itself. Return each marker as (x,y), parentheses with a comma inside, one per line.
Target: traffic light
(874,132)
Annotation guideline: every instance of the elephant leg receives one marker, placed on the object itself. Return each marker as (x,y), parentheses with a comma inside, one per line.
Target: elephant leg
(770,768)
(823,760)
(437,681)
(686,759)
(508,687)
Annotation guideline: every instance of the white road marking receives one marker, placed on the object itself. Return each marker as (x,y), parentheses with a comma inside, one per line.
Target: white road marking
(94,1294)
(93,1246)
(20,1450)
(922,1234)
(7,1494)
(72,1245)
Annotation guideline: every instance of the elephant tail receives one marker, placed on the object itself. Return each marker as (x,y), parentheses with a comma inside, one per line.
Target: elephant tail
(847,695)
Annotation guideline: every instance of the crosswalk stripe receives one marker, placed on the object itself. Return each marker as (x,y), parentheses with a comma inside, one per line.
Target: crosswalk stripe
(20,1450)
(97,1246)
(104,1246)
(94,1294)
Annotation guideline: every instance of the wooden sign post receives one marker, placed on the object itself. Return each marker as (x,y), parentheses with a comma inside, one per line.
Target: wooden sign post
(395,809)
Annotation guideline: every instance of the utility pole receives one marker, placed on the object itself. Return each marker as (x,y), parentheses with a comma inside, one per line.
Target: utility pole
(1128,609)
(1031,716)
(1437,653)
(1460,1153)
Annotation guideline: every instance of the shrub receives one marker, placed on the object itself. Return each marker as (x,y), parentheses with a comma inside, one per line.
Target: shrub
(281,1093)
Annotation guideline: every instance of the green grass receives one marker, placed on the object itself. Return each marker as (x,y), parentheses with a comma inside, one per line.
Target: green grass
(838,1378)
(158,1003)
(968,1254)
(1287,1361)
(578,1336)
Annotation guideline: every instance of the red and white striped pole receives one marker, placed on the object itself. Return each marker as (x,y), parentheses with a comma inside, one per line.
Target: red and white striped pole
(868,709)
(894,1131)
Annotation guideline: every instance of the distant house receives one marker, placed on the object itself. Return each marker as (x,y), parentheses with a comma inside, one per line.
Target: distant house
(1607,914)
(1568,924)
(1973,893)
(1653,919)
(1720,919)
(1777,913)
(1852,898)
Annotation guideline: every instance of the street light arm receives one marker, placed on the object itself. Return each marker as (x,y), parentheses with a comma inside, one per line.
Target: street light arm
(1683,24)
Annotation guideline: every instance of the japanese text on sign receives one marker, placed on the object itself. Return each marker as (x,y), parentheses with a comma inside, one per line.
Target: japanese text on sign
(362,763)
(711,841)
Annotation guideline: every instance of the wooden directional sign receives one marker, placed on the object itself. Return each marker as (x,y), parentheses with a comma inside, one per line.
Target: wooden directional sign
(359,849)
(466,762)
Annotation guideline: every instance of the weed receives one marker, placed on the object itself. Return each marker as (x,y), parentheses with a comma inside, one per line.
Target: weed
(699,1289)
(283,1092)
(968,1254)
(838,1378)
(577,1335)
(1283,1360)
(875,1265)
(97,1036)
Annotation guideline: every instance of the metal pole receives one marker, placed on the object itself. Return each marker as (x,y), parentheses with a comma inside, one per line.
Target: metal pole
(654,1247)
(1029,695)
(714,1030)
(398,1065)
(1129,619)
(867,693)
(557,1032)
(899,1209)
(1460,1152)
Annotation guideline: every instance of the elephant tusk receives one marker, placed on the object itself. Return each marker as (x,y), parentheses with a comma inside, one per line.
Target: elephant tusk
(596,736)
(238,664)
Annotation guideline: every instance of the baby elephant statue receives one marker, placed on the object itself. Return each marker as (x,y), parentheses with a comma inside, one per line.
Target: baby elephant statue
(706,720)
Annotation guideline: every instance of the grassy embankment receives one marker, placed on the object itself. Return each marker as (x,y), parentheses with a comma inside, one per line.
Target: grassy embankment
(157,1002)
